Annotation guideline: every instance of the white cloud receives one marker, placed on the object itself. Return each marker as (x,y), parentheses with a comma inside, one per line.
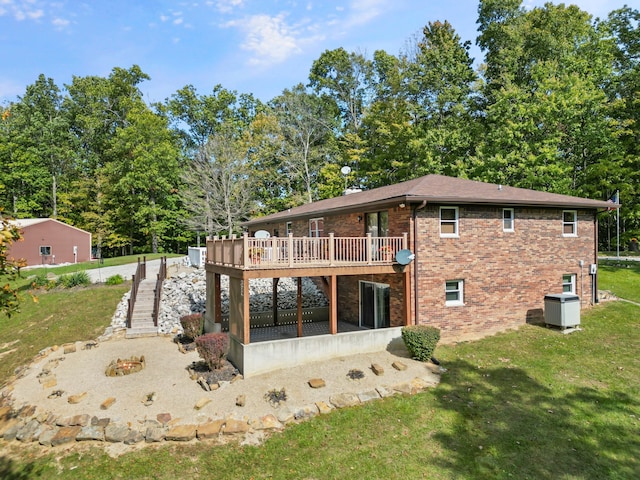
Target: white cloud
(227,6)
(60,23)
(269,38)
(363,11)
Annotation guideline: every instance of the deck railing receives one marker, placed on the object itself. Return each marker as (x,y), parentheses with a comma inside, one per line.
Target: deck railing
(289,252)
(157,292)
(141,274)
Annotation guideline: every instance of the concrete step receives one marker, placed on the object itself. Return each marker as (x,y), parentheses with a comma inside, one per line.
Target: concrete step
(140,332)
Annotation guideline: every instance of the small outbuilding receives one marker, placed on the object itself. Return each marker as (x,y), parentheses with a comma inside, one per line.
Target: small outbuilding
(46,241)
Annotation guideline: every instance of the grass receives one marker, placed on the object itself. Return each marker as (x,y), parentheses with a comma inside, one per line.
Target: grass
(529,404)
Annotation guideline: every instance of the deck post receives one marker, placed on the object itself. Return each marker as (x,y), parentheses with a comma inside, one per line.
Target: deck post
(299,307)
(369,249)
(274,299)
(246,314)
(333,304)
(217,302)
(405,241)
(406,296)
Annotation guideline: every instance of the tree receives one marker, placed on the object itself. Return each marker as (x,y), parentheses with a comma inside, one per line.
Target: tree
(219,191)
(306,121)
(9,300)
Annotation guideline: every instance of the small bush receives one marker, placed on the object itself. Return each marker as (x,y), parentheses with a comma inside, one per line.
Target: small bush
(420,340)
(74,279)
(115,280)
(40,281)
(192,325)
(213,349)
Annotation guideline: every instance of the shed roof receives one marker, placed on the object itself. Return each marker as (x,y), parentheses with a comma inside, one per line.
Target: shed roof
(435,189)
(27,222)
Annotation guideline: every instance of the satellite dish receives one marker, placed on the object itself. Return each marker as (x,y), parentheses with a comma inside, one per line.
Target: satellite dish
(262,234)
(346,170)
(404,257)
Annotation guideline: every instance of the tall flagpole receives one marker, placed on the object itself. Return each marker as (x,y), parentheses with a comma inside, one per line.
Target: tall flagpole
(618,224)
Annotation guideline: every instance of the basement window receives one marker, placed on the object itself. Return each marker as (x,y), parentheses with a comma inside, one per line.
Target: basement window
(454,292)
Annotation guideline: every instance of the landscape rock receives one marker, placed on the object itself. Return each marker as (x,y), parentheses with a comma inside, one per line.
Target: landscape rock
(181,433)
(115,433)
(209,429)
(377,369)
(399,366)
(368,396)
(343,400)
(317,383)
(107,403)
(91,432)
(233,426)
(65,435)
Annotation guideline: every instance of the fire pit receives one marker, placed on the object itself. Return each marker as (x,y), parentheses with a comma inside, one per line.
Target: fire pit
(118,368)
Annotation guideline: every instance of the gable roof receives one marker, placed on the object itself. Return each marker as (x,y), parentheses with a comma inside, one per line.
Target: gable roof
(22,223)
(438,189)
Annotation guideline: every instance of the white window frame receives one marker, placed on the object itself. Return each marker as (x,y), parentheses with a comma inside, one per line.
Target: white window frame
(316,232)
(569,283)
(508,224)
(289,228)
(453,222)
(458,288)
(573,224)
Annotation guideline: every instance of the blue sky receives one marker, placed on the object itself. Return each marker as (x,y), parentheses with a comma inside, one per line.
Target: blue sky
(251,46)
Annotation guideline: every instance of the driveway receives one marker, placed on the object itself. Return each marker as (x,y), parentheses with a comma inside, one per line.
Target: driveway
(99,275)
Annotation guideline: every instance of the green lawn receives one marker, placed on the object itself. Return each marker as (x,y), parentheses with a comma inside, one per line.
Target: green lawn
(529,404)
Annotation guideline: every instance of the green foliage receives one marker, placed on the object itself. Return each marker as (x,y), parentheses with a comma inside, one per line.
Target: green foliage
(76,279)
(192,325)
(420,340)
(41,280)
(114,280)
(213,349)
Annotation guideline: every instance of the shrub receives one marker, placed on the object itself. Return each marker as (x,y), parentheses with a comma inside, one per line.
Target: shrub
(192,325)
(420,340)
(75,279)
(213,349)
(115,280)
(40,281)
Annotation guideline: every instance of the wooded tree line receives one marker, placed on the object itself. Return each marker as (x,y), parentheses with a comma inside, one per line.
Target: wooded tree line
(554,106)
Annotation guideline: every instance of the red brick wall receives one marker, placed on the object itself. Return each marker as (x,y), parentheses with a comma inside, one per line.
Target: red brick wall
(506,274)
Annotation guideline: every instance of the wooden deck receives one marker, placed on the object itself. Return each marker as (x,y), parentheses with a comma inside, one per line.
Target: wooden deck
(248,253)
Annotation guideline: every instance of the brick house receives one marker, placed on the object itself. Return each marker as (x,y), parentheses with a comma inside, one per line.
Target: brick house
(46,241)
(480,259)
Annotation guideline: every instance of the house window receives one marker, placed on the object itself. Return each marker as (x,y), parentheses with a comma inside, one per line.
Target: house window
(448,221)
(569,283)
(454,292)
(289,228)
(507,220)
(45,251)
(377,223)
(316,227)
(569,223)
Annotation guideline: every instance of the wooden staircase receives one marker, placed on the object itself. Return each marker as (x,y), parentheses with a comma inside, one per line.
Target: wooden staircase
(142,317)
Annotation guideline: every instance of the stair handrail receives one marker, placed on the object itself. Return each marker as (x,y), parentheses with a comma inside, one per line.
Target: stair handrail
(141,274)
(157,293)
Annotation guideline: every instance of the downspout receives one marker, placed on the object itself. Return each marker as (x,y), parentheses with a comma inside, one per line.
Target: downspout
(594,277)
(415,262)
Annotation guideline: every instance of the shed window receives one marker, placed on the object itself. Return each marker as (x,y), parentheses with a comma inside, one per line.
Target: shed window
(45,250)
(448,221)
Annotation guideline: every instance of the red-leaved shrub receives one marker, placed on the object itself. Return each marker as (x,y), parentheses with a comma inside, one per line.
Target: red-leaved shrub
(192,325)
(213,349)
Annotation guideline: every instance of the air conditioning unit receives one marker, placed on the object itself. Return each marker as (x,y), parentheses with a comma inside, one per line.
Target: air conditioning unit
(562,310)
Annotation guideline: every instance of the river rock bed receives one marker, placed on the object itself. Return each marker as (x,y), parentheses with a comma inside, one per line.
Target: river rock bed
(185,293)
